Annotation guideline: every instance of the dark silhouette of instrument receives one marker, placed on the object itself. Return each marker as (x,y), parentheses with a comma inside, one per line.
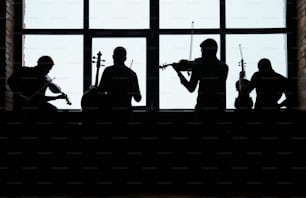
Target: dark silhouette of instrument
(57,89)
(243,101)
(90,99)
(184,65)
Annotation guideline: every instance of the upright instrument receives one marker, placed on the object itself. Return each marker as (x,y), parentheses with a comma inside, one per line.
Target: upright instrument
(243,101)
(90,98)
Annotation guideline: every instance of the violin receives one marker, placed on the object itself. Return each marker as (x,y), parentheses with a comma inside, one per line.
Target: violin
(183,65)
(243,101)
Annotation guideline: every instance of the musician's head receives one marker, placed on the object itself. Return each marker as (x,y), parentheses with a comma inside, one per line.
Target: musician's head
(119,55)
(209,47)
(264,64)
(45,64)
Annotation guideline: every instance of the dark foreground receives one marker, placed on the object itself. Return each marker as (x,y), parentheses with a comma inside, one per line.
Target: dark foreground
(154,154)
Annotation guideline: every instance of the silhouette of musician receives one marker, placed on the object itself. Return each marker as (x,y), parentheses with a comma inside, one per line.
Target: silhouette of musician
(29,85)
(119,83)
(210,73)
(269,85)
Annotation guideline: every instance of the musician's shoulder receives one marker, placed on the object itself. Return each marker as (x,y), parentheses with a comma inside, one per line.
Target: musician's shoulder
(23,71)
(222,63)
(198,60)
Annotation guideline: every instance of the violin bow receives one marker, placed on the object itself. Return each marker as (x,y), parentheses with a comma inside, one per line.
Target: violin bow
(242,66)
(191,44)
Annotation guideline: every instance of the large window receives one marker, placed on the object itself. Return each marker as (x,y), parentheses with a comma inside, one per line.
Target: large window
(136,59)
(67,53)
(154,33)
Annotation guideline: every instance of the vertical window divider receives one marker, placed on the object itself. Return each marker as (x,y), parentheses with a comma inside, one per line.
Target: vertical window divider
(153,58)
(292,67)
(222,30)
(87,42)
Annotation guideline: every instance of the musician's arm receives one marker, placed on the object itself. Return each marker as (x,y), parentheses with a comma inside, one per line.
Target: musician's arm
(287,102)
(190,85)
(14,82)
(252,83)
(136,90)
(49,98)
(105,79)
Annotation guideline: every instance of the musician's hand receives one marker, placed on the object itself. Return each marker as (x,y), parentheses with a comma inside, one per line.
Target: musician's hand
(177,66)
(242,74)
(62,96)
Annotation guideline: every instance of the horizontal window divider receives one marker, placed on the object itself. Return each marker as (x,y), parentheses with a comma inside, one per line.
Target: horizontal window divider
(91,32)
(145,32)
(188,31)
(53,31)
(119,33)
(255,30)
(225,31)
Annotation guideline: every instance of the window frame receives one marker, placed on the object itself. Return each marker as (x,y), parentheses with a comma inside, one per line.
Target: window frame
(152,37)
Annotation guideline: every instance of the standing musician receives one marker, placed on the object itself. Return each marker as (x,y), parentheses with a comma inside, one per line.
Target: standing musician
(210,73)
(120,83)
(29,85)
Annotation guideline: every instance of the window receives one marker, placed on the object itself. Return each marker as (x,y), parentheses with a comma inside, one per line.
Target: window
(67,70)
(41,14)
(256,14)
(253,47)
(173,48)
(119,14)
(154,33)
(136,59)
(180,13)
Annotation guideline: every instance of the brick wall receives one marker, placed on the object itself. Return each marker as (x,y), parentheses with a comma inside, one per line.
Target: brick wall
(2,53)
(9,46)
(301,40)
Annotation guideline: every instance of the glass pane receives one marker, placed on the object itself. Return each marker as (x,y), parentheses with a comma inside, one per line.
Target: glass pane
(254,47)
(67,53)
(173,95)
(181,13)
(46,14)
(136,59)
(256,13)
(119,14)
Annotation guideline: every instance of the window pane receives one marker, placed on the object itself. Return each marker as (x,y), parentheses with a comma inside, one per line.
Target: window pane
(119,14)
(256,13)
(136,59)
(173,95)
(254,47)
(181,13)
(53,14)
(67,53)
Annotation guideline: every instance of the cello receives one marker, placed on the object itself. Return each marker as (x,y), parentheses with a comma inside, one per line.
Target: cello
(243,101)
(91,98)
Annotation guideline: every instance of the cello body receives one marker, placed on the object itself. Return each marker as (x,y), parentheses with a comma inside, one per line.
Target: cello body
(243,101)
(92,99)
